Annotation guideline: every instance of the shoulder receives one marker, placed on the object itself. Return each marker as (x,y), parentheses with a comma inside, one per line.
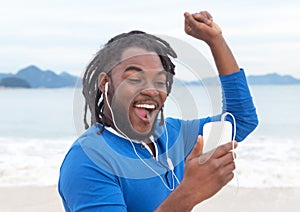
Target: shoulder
(83,151)
(179,124)
(87,159)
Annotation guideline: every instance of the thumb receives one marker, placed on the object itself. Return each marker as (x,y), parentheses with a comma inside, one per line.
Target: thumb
(189,18)
(189,23)
(197,150)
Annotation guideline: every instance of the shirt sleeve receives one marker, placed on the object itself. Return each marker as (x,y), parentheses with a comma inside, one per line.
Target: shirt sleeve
(236,99)
(85,187)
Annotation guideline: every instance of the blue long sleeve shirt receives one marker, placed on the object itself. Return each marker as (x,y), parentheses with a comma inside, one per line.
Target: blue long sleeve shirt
(106,172)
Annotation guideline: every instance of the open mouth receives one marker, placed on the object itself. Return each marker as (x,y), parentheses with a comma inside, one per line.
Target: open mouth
(144,110)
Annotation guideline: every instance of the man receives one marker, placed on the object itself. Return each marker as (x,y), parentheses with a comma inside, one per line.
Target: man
(131,160)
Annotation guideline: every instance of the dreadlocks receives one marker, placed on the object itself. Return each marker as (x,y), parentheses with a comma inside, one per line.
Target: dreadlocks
(109,56)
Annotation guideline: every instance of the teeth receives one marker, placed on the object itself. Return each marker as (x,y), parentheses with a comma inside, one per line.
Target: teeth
(146,106)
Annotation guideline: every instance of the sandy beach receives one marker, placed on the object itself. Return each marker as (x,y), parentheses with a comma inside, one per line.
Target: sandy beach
(230,199)
(46,199)
(30,199)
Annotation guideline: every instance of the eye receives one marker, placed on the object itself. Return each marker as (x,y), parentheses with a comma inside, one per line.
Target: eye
(134,80)
(160,83)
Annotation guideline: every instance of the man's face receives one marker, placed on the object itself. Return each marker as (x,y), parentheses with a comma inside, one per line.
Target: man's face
(138,92)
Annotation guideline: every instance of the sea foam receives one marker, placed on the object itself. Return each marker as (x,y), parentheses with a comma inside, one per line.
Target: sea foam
(261,161)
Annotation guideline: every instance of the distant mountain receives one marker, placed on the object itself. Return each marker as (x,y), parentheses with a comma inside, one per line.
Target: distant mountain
(5,75)
(273,79)
(267,79)
(38,78)
(14,82)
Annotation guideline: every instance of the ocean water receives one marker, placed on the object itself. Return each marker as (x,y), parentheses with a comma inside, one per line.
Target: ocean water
(37,127)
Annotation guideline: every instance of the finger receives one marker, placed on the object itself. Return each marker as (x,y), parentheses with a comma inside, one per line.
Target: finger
(197,150)
(226,173)
(189,20)
(203,17)
(187,27)
(227,158)
(229,167)
(224,149)
(209,15)
(228,178)
(204,14)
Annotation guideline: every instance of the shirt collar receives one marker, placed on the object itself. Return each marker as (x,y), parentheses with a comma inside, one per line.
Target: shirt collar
(113,131)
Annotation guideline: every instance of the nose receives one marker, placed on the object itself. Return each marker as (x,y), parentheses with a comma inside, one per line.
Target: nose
(152,92)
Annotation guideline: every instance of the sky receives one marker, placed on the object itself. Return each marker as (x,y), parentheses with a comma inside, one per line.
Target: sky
(64,35)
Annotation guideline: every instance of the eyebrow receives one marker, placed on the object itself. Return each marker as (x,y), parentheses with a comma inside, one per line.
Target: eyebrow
(135,68)
(130,68)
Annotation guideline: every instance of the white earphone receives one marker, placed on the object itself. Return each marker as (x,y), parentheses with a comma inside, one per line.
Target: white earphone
(106,88)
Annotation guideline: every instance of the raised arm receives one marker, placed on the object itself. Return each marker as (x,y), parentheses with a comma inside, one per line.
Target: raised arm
(201,26)
(236,94)
(204,179)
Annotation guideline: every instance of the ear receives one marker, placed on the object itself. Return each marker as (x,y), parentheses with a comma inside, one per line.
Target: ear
(102,80)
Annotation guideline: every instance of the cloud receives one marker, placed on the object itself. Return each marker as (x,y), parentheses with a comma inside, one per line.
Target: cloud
(62,34)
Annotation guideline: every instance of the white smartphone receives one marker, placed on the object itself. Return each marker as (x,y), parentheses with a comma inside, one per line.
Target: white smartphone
(215,134)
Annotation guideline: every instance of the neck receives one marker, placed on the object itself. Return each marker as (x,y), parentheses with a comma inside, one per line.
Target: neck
(152,148)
